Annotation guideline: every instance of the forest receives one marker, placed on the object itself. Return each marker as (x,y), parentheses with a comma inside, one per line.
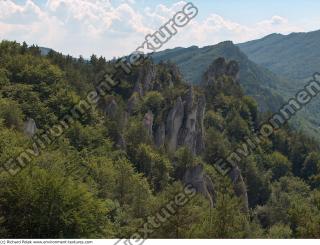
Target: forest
(116,167)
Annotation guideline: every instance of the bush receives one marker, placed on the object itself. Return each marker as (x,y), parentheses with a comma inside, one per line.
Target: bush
(11,114)
(153,101)
(280,165)
(280,231)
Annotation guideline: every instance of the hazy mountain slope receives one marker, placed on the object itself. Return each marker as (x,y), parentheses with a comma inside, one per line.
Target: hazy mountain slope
(44,51)
(295,56)
(269,89)
(256,81)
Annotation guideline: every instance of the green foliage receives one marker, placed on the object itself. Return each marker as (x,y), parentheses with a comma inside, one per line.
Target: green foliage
(216,146)
(11,114)
(183,159)
(86,137)
(131,189)
(4,77)
(156,167)
(279,231)
(226,219)
(39,203)
(252,106)
(311,165)
(153,101)
(238,128)
(178,212)
(104,177)
(257,181)
(279,164)
(214,120)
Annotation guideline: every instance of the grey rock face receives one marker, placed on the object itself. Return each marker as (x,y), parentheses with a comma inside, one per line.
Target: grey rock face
(239,186)
(174,124)
(133,102)
(148,122)
(111,109)
(30,127)
(121,143)
(184,125)
(160,134)
(145,82)
(138,88)
(191,134)
(196,177)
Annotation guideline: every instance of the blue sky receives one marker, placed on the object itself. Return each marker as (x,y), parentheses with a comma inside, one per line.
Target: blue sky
(117,27)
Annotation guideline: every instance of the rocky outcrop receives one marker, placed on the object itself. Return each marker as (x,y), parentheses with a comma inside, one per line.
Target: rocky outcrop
(133,103)
(196,177)
(220,67)
(174,124)
(148,122)
(160,134)
(191,134)
(30,127)
(111,109)
(239,186)
(180,125)
(146,78)
(184,125)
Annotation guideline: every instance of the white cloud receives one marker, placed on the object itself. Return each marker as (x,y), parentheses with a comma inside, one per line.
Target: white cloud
(215,28)
(100,26)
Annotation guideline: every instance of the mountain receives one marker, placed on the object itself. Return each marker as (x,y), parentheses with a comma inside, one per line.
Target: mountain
(269,87)
(44,51)
(295,56)
(255,80)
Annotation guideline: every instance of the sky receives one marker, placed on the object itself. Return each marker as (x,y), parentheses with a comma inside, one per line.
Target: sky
(113,28)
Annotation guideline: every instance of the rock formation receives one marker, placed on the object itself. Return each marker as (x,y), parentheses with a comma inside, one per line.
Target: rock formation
(173,124)
(196,177)
(160,134)
(146,78)
(30,127)
(182,122)
(111,109)
(191,133)
(148,122)
(239,186)
(220,67)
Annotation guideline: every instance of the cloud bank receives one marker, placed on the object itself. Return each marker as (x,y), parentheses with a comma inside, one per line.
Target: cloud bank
(105,28)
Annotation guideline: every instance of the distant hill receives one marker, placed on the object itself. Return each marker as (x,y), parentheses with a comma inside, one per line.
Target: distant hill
(295,56)
(269,88)
(256,80)
(44,51)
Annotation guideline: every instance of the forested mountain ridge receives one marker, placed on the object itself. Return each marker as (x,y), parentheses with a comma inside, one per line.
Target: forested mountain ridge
(295,56)
(259,63)
(130,155)
(256,81)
